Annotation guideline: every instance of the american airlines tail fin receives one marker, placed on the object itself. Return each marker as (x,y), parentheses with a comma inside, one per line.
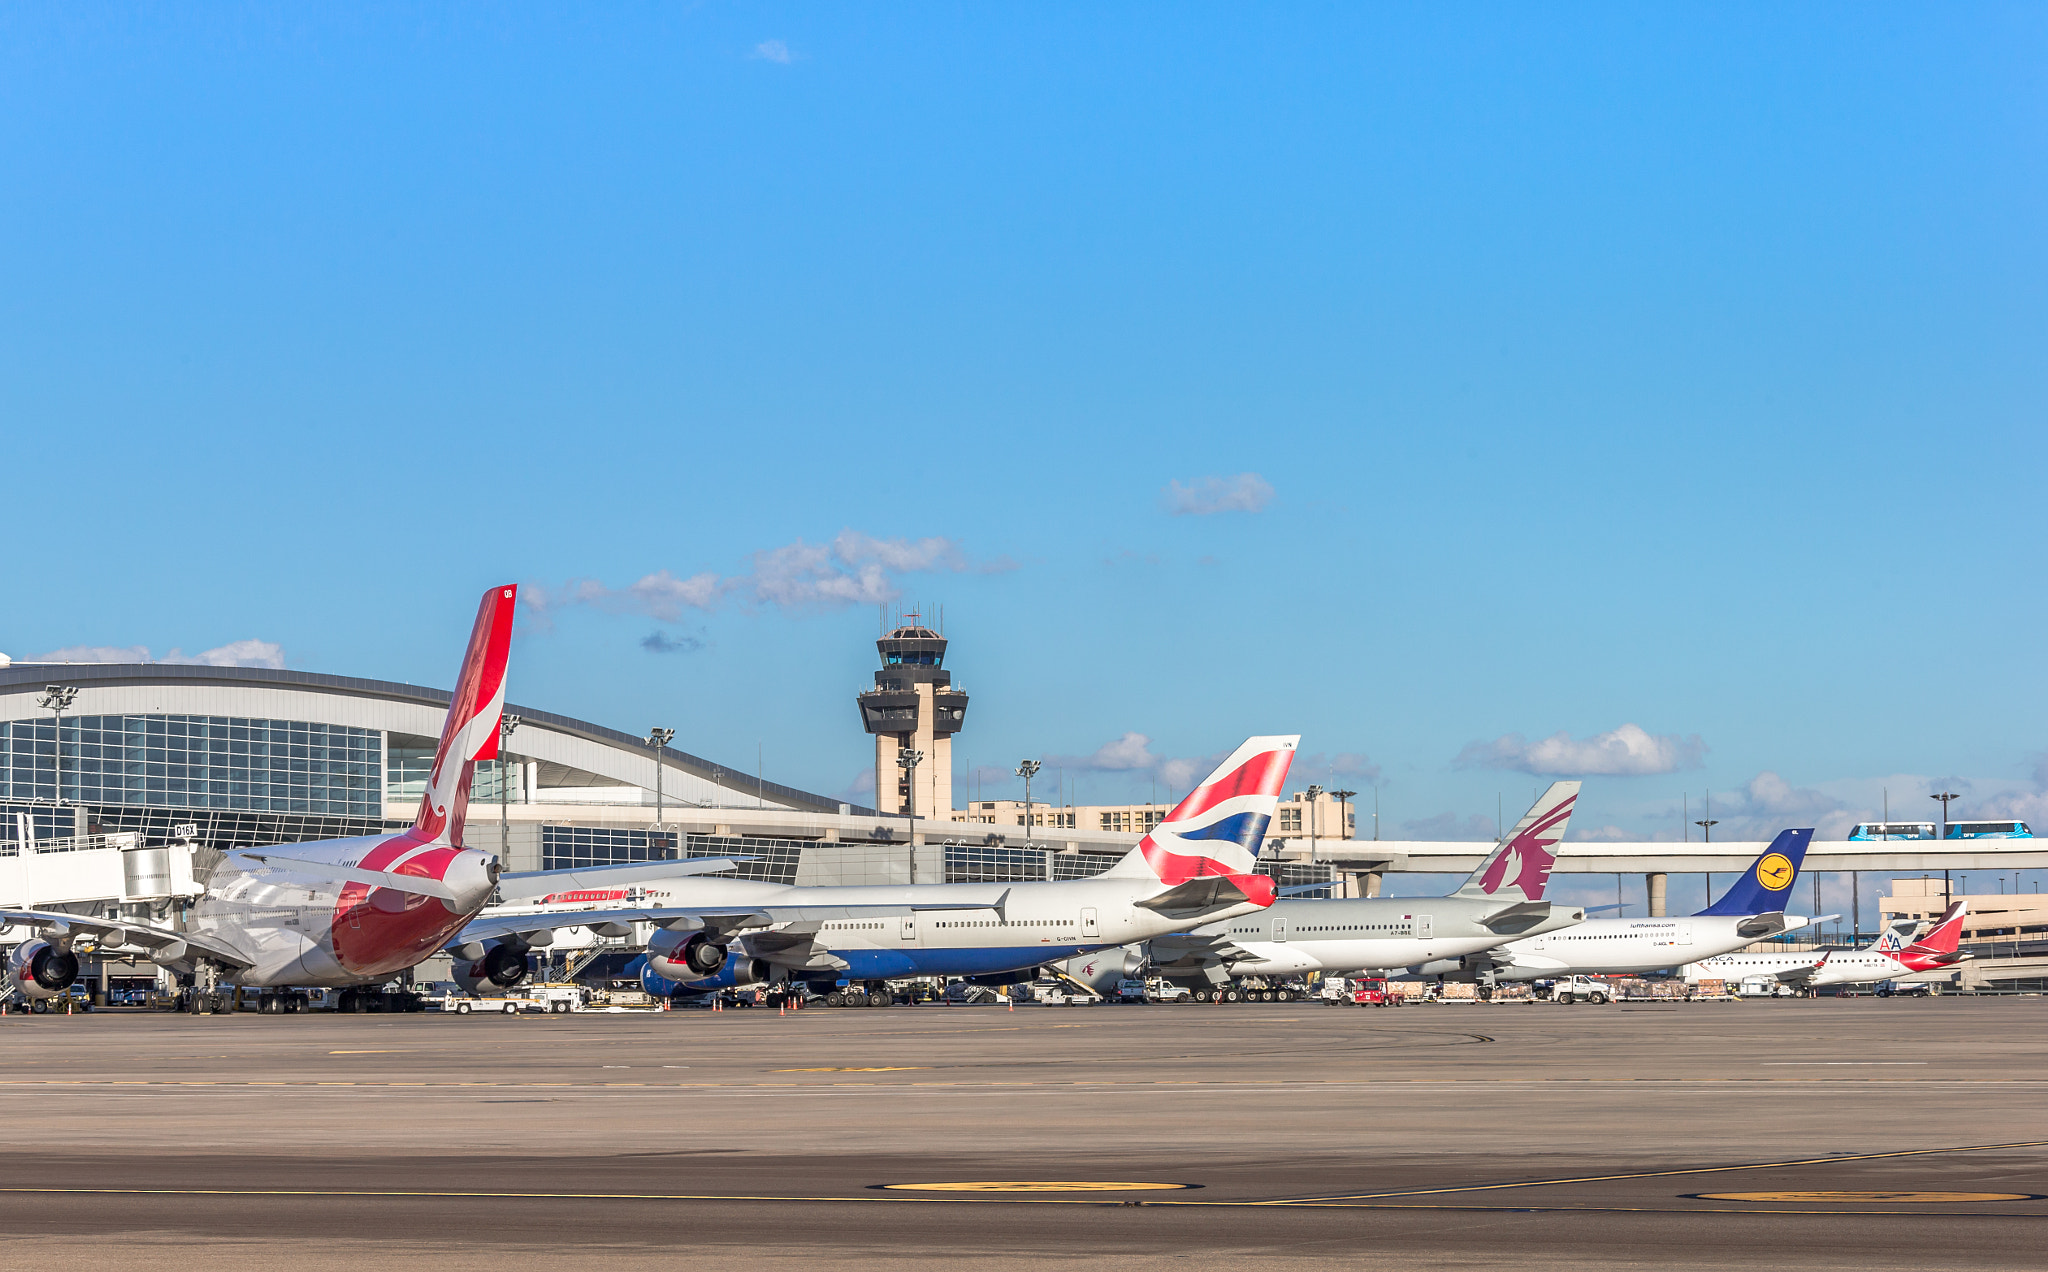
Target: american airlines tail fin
(1942,944)
(471,730)
(1763,887)
(1216,831)
(1520,868)
(1894,937)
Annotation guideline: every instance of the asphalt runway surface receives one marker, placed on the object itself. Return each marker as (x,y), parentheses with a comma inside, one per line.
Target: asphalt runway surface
(1856,1134)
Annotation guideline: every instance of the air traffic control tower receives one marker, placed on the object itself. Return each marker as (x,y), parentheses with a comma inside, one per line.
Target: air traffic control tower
(913,706)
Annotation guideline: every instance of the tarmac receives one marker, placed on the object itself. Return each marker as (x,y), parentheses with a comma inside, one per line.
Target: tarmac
(1831,1133)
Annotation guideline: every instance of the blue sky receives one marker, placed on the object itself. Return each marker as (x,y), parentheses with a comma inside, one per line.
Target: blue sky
(1431,381)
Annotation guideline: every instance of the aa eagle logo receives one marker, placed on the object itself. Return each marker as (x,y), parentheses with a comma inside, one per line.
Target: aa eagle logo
(1775,872)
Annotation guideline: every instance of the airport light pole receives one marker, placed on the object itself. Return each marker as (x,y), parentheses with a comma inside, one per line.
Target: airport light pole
(1027,769)
(1707,824)
(658,738)
(56,700)
(1343,813)
(505,726)
(1314,793)
(908,759)
(1944,797)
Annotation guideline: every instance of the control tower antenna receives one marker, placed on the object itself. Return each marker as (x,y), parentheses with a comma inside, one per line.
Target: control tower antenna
(913,707)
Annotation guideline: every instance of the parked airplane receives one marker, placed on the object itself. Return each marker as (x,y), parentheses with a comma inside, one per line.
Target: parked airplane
(1751,909)
(1893,954)
(1196,867)
(336,912)
(1503,898)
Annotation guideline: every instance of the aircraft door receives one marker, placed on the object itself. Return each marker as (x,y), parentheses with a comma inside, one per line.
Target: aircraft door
(1089,928)
(1685,934)
(1280,927)
(1425,926)
(910,926)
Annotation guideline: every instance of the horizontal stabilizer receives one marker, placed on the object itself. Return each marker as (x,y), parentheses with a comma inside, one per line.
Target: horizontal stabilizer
(417,884)
(1207,892)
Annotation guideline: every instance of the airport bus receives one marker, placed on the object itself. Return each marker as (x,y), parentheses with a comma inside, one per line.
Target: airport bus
(1929,830)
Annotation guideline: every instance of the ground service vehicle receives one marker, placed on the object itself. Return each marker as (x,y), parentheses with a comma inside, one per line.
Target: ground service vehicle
(1372,991)
(1572,989)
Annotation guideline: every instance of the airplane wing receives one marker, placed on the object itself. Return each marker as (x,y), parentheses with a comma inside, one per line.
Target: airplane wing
(159,944)
(538,928)
(539,883)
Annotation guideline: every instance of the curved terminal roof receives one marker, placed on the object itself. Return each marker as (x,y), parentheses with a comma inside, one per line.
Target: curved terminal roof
(573,750)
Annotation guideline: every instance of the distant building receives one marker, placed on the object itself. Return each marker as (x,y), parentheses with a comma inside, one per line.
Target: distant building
(913,707)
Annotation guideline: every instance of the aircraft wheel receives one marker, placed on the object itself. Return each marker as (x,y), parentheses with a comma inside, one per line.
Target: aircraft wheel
(1232,995)
(835,999)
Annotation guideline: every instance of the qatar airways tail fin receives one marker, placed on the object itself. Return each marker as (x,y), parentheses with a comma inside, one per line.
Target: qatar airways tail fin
(471,730)
(1942,944)
(1519,869)
(1209,844)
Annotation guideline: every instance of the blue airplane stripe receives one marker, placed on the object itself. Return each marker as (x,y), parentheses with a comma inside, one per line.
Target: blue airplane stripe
(1246,829)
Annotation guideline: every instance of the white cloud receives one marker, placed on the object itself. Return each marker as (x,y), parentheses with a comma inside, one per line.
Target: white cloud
(1347,765)
(773,51)
(853,569)
(1206,496)
(1628,751)
(96,654)
(1603,834)
(236,653)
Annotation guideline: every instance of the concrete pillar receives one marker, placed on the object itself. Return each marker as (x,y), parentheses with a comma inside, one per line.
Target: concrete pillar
(1372,883)
(1653,884)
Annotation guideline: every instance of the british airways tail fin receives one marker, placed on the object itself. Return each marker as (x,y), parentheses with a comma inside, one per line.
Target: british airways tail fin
(471,730)
(1216,831)
(1764,887)
(1520,868)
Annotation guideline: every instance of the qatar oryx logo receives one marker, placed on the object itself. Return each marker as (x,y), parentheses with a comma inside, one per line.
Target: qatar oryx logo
(1524,860)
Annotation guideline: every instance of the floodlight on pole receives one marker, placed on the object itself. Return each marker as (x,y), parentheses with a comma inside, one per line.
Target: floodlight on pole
(1945,797)
(1027,769)
(506,723)
(659,738)
(1707,824)
(56,700)
(908,759)
(1314,793)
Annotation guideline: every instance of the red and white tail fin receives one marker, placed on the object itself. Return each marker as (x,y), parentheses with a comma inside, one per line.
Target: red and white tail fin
(1942,944)
(1216,831)
(471,731)
(1520,868)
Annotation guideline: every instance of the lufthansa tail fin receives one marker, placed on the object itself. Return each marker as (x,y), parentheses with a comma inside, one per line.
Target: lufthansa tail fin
(1763,887)
(1519,869)
(471,730)
(1208,846)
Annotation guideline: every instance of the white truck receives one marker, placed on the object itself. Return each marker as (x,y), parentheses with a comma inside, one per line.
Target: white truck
(1572,989)
(553,999)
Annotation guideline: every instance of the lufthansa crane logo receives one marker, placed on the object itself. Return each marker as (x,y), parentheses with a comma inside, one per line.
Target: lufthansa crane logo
(1775,872)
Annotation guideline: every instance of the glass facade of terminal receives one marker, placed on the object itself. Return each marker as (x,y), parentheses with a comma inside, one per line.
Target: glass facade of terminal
(569,847)
(197,762)
(985,863)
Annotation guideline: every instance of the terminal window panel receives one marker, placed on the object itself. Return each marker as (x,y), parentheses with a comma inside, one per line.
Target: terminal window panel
(570,847)
(197,762)
(775,860)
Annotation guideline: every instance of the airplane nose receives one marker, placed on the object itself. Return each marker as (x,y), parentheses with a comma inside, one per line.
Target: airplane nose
(474,876)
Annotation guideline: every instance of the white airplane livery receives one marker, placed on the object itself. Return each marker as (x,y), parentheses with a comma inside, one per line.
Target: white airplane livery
(1893,954)
(337,912)
(1751,909)
(1503,898)
(1197,866)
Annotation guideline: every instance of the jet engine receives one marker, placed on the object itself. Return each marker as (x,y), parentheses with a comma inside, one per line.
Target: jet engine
(732,974)
(40,970)
(504,966)
(696,956)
